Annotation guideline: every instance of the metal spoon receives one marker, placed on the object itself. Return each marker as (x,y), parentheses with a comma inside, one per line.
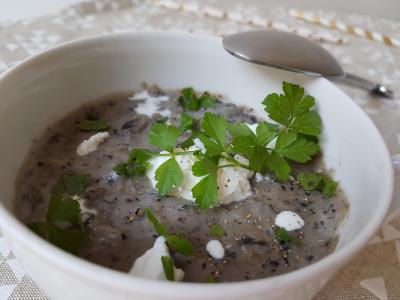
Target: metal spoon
(294,53)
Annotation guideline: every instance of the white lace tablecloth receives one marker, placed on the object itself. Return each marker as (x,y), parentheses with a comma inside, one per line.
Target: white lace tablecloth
(375,272)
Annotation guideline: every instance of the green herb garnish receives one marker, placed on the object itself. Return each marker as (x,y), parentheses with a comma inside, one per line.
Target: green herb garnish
(315,181)
(137,163)
(189,101)
(282,235)
(92,116)
(69,240)
(168,176)
(187,122)
(270,149)
(293,110)
(168,266)
(174,241)
(63,226)
(94,125)
(63,209)
(71,184)
(217,230)
(211,279)
(164,136)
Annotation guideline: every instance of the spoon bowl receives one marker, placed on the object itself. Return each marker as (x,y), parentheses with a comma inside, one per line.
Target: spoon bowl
(294,53)
(284,51)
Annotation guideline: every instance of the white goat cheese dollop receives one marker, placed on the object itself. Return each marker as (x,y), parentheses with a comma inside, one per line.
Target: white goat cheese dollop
(151,104)
(149,265)
(289,220)
(233,182)
(215,249)
(90,145)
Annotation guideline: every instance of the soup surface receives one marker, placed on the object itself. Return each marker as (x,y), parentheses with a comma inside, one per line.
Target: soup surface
(115,216)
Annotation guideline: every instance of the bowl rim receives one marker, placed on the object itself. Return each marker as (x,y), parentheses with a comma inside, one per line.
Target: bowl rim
(115,279)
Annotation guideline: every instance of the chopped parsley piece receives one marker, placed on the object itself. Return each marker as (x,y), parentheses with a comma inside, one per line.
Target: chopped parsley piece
(137,163)
(168,266)
(179,244)
(69,240)
(282,235)
(158,227)
(211,279)
(94,125)
(63,226)
(315,181)
(63,209)
(217,230)
(92,116)
(187,122)
(189,101)
(71,184)
(174,241)
(207,100)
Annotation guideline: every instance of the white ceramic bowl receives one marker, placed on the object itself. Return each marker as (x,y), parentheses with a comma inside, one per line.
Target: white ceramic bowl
(44,88)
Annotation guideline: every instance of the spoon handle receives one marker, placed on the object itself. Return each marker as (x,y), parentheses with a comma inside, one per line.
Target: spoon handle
(374,88)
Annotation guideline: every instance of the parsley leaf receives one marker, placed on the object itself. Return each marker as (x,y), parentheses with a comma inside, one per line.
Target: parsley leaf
(310,181)
(282,235)
(266,132)
(315,181)
(187,143)
(188,100)
(63,225)
(158,227)
(329,187)
(206,192)
(94,125)
(69,240)
(205,166)
(240,129)
(71,185)
(66,209)
(174,241)
(137,163)
(164,136)
(253,145)
(243,144)
(92,115)
(75,184)
(179,244)
(289,146)
(207,100)
(168,267)
(213,148)
(308,123)
(292,109)
(294,148)
(187,122)
(217,230)
(277,164)
(168,175)
(211,279)
(216,127)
